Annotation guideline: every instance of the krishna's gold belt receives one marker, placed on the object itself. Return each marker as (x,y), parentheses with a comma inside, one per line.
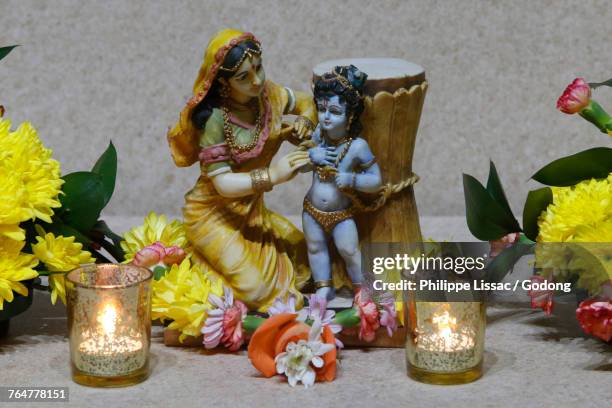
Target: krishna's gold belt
(327,219)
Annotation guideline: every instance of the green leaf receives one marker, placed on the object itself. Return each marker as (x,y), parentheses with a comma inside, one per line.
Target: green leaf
(59,228)
(595,85)
(252,323)
(504,262)
(570,170)
(82,201)
(537,201)
(159,272)
(486,218)
(106,167)
(495,189)
(4,51)
(347,318)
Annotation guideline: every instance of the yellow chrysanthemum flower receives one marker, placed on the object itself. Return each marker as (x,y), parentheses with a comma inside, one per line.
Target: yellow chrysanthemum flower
(59,254)
(582,216)
(155,228)
(29,179)
(182,296)
(581,213)
(15,266)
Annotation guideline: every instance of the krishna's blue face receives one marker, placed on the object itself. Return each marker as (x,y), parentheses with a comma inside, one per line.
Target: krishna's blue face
(332,115)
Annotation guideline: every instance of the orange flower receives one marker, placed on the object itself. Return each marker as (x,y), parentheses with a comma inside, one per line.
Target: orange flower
(272,338)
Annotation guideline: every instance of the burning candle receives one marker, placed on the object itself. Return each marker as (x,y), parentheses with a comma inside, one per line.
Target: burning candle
(447,342)
(109,324)
(447,338)
(103,352)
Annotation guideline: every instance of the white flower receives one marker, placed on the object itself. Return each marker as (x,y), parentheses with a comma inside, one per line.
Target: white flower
(299,360)
(317,309)
(279,306)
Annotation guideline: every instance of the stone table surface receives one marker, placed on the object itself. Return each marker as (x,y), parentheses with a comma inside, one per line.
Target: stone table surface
(531,360)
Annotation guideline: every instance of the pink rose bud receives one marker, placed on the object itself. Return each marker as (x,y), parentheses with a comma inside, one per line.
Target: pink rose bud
(149,256)
(576,97)
(174,255)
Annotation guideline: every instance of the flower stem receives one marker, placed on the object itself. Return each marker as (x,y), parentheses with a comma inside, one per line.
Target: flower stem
(251,323)
(595,114)
(347,318)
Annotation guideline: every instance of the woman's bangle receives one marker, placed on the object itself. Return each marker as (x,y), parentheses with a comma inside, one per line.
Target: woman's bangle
(260,180)
(307,122)
(354,180)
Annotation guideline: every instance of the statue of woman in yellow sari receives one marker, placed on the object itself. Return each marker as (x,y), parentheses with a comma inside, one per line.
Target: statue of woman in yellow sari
(232,126)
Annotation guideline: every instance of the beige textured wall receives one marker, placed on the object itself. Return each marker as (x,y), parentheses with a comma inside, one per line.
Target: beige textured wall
(92,71)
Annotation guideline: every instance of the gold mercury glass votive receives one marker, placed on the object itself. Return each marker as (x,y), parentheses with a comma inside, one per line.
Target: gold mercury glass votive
(109,324)
(445,343)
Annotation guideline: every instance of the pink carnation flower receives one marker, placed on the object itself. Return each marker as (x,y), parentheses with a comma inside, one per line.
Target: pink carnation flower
(576,97)
(150,255)
(368,313)
(541,298)
(224,324)
(174,255)
(158,254)
(595,317)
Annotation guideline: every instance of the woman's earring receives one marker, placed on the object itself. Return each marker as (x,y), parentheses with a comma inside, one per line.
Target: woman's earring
(224,91)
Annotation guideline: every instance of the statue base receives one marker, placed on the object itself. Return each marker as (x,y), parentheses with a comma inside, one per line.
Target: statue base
(349,337)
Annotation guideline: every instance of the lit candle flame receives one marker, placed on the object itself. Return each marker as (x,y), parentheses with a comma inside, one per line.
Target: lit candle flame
(108,319)
(446,325)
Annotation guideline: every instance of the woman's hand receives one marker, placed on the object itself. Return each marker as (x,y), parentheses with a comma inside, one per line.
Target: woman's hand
(302,127)
(286,168)
(323,156)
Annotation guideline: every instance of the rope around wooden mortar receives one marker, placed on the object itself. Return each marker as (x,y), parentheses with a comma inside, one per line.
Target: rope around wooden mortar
(384,193)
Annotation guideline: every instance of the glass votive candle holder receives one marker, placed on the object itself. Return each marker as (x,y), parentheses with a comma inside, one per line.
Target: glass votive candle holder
(109,324)
(445,342)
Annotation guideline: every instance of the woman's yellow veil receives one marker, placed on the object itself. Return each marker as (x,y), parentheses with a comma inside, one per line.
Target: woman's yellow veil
(183,138)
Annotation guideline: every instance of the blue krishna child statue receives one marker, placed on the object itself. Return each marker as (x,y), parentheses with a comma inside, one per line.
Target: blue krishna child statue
(343,167)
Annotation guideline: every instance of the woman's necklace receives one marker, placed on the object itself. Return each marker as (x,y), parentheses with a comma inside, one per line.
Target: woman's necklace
(229,132)
(327,173)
